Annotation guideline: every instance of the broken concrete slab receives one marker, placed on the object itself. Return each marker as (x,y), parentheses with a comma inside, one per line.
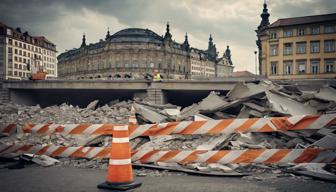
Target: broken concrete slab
(315,170)
(320,176)
(149,115)
(172,111)
(254,113)
(189,171)
(214,143)
(44,160)
(327,131)
(242,90)
(92,105)
(286,105)
(200,117)
(244,113)
(211,102)
(327,142)
(326,93)
(255,107)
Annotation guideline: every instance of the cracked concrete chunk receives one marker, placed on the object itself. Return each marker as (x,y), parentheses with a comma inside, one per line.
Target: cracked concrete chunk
(211,102)
(326,93)
(327,142)
(242,90)
(148,114)
(44,160)
(286,105)
(92,105)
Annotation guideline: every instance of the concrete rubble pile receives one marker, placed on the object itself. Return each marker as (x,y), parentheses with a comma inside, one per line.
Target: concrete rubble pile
(245,100)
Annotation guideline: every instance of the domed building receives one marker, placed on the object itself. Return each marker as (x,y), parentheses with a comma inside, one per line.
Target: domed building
(137,53)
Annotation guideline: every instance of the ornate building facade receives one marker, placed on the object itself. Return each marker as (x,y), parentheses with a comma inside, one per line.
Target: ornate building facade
(22,54)
(137,53)
(298,47)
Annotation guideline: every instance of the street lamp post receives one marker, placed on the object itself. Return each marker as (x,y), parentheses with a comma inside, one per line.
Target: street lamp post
(256,66)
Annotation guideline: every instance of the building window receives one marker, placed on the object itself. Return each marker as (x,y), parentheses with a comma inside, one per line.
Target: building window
(10,41)
(329,46)
(315,46)
(315,30)
(329,28)
(301,47)
(288,33)
(274,68)
(288,67)
(300,31)
(315,66)
(288,49)
(273,35)
(329,65)
(301,66)
(9,32)
(274,50)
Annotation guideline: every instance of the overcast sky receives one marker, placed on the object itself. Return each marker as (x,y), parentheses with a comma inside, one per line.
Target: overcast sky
(231,22)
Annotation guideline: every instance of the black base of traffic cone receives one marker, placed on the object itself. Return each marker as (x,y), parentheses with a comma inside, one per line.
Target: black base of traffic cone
(119,186)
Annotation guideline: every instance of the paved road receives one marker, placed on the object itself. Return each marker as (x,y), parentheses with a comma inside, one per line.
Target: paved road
(57,179)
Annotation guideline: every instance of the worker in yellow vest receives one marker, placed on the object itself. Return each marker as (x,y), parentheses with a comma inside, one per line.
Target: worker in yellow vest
(157,77)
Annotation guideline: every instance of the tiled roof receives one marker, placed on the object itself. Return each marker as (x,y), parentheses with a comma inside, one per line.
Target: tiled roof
(303,20)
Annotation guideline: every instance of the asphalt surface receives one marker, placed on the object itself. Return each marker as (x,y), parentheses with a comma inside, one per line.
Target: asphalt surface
(56,179)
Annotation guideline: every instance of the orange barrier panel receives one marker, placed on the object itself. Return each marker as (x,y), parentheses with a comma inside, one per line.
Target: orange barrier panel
(268,156)
(210,127)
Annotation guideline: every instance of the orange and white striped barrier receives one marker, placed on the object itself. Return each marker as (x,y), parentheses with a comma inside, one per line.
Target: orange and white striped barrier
(8,130)
(56,151)
(266,156)
(87,129)
(211,127)
(120,174)
(227,126)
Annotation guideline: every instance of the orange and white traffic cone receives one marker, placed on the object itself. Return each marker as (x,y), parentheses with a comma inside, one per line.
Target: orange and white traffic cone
(120,176)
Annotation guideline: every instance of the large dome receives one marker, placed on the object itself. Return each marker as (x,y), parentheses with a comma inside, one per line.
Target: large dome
(136,35)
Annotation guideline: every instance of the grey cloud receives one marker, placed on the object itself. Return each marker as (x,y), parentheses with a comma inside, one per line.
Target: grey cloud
(47,18)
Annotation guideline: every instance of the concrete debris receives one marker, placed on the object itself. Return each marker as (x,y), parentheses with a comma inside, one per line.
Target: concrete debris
(174,112)
(245,100)
(327,142)
(214,143)
(148,114)
(44,160)
(200,117)
(242,90)
(326,93)
(314,170)
(288,106)
(92,105)
(190,171)
(211,102)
